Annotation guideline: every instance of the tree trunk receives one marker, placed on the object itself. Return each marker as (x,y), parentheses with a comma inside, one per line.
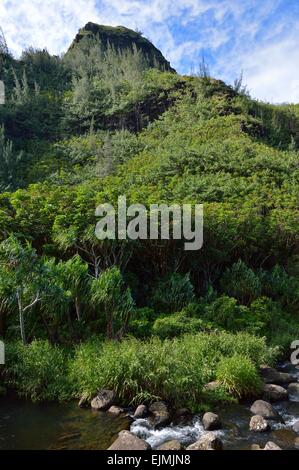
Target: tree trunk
(124,328)
(77,307)
(109,331)
(21,319)
(2,323)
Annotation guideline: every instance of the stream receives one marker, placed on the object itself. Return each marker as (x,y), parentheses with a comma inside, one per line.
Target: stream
(26,425)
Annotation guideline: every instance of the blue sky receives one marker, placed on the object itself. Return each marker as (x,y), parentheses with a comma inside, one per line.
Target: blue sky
(260,37)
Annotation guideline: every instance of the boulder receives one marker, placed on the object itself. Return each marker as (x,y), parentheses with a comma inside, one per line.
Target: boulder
(274,392)
(271,446)
(284,437)
(212,386)
(296,426)
(140,412)
(211,422)
(104,400)
(116,410)
(264,409)
(208,441)
(84,401)
(293,390)
(182,417)
(272,376)
(170,445)
(256,447)
(127,441)
(258,424)
(160,415)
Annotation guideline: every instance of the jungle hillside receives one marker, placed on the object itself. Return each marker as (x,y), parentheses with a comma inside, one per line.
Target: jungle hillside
(144,318)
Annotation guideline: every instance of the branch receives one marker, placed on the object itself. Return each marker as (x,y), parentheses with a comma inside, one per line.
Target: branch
(37,299)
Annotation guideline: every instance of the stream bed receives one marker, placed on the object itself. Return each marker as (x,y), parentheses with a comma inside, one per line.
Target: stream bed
(33,426)
(26,425)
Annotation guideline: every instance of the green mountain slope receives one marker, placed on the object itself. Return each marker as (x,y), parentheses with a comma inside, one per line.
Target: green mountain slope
(122,123)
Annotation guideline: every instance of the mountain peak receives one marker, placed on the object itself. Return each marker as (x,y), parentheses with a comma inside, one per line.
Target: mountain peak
(122,38)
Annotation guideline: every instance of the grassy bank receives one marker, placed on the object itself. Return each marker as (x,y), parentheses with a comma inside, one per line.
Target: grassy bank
(174,370)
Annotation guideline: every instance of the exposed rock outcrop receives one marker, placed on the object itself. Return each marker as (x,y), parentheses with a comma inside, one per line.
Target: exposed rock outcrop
(121,39)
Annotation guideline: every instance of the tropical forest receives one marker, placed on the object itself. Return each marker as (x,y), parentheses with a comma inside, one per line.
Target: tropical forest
(157,340)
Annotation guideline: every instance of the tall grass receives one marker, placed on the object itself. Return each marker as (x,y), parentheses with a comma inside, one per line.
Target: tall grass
(173,370)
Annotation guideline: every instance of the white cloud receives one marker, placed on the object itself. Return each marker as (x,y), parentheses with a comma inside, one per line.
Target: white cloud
(234,32)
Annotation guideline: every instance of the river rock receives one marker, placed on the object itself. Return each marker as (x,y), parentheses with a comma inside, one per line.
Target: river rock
(271,446)
(116,410)
(293,390)
(127,441)
(256,447)
(208,441)
(258,424)
(104,400)
(182,417)
(160,415)
(211,422)
(296,426)
(285,438)
(140,412)
(272,376)
(212,386)
(170,445)
(264,409)
(274,392)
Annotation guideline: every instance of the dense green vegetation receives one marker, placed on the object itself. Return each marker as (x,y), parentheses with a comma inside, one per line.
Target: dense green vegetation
(175,370)
(104,121)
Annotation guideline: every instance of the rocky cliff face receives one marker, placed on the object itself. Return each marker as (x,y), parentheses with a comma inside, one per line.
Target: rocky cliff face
(122,39)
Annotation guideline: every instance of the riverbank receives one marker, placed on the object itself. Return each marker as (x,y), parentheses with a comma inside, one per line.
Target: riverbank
(175,381)
(28,425)
(176,371)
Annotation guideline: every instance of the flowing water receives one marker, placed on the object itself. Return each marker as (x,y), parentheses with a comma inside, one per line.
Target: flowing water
(235,433)
(26,425)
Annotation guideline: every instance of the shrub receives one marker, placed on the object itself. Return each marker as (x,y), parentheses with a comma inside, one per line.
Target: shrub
(140,328)
(175,325)
(239,376)
(225,313)
(241,282)
(279,285)
(173,294)
(38,371)
(109,292)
